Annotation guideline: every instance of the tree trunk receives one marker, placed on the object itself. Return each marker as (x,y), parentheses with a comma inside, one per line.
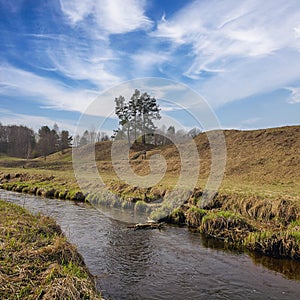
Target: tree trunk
(135,127)
(128,137)
(143,131)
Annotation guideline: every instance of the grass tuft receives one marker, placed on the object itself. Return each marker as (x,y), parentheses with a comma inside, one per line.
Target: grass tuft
(37,262)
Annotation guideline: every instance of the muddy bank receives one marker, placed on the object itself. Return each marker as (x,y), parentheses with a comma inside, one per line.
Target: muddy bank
(37,262)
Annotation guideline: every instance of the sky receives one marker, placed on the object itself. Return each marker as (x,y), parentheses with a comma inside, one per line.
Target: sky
(241,57)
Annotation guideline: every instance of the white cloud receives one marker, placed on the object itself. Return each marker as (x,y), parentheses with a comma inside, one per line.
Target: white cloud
(220,31)
(145,61)
(78,59)
(248,47)
(35,122)
(111,17)
(84,62)
(48,92)
(250,77)
(297,31)
(76,10)
(295,95)
(87,54)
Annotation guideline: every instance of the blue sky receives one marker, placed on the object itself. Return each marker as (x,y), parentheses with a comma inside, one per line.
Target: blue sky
(243,57)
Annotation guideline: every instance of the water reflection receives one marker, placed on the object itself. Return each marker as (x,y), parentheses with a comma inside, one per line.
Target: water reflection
(173,263)
(290,269)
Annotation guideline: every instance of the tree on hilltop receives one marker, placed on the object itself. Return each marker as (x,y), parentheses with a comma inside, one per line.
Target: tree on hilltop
(123,112)
(136,116)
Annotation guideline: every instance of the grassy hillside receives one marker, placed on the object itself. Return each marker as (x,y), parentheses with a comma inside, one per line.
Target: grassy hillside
(257,206)
(267,158)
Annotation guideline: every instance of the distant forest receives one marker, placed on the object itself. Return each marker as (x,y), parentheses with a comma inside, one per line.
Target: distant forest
(136,123)
(23,142)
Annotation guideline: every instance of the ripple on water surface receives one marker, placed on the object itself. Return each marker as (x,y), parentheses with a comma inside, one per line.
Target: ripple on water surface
(172,263)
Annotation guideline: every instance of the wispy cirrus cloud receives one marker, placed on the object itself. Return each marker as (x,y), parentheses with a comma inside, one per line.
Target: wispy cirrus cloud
(219,31)
(252,77)
(89,61)
(239,45)
(75,58)
(145,61)
(295,95)
(110,17)
(47,92)
(86,54)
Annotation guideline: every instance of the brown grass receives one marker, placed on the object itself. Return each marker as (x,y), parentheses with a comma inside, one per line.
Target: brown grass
(36,260)
(261,183)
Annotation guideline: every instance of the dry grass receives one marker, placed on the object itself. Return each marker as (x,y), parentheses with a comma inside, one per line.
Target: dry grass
(261,183)
(258,161)
(36,260)
(226,225)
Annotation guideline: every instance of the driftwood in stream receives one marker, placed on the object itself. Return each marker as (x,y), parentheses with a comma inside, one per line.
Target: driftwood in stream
(146,226)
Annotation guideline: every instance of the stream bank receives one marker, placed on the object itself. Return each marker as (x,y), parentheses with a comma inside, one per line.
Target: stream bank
(37,262)
(269,226)
(171,263)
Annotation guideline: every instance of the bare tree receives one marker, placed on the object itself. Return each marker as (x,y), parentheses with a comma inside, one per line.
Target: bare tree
(17,141)
(76,140)
(84,140)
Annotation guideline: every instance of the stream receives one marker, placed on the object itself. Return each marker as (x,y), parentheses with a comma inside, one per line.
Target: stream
(171,263)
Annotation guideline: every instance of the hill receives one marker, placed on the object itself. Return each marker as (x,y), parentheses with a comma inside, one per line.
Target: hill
(256,158)
(257,206)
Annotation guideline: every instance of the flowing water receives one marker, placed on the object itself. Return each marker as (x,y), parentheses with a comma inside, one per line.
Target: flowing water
(172,263)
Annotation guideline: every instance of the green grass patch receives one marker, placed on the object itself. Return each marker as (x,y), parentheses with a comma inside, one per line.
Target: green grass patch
(140,206)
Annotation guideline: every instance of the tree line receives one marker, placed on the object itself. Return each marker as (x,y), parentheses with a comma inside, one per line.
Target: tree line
(136,124)
(90,137)
(23,142)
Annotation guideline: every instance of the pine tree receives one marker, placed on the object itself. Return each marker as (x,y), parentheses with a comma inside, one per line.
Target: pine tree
(137,115)
(149,111)
(48,141)
(134,106)
(123,112)
(65,140)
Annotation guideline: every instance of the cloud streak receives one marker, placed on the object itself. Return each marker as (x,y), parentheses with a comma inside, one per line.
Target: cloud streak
(240,45)
(110,17)
(295,95)
(222,30)
(16,82)
(35,122)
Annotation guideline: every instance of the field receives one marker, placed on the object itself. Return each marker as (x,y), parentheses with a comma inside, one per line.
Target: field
(257,205)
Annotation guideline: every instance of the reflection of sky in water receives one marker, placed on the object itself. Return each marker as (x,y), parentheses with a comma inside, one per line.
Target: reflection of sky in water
(162,264)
